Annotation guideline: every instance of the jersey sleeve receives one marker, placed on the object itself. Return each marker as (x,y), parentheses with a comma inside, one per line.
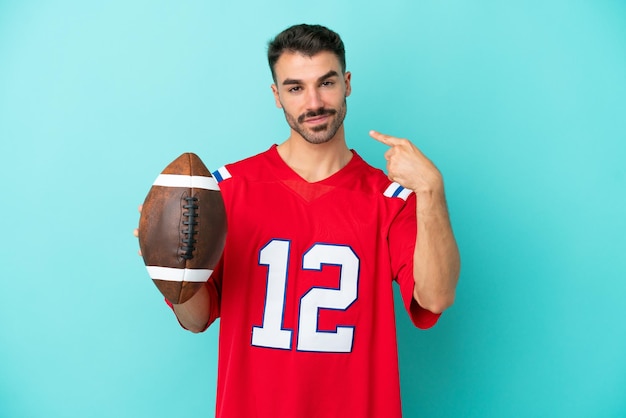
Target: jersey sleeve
(213,285)
(402,234)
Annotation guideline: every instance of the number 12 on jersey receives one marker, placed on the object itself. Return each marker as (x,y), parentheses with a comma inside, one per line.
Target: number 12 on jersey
(275,255)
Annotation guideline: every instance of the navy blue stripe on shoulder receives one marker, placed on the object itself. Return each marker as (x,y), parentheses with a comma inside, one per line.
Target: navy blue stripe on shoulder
(221,174)
(396,190)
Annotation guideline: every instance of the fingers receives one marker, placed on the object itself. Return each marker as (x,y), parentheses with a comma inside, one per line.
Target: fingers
(136,230)
(385,139)
(136,234)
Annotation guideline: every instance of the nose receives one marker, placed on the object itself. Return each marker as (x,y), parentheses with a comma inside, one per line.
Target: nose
(314,99)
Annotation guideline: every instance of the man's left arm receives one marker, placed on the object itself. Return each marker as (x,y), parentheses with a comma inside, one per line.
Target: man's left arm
(436,261)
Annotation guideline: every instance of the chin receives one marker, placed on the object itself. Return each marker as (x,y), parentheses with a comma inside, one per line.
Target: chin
(321,135)
(318,141)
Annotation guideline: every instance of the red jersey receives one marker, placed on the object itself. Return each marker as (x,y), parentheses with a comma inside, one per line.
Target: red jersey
(304,291)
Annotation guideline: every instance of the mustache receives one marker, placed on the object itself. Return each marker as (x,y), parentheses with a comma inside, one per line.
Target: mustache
(313,113)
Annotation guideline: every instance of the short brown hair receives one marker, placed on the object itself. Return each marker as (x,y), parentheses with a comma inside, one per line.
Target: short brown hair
(307,40)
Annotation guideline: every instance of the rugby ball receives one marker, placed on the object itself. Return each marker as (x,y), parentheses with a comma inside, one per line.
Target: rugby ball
(182,228)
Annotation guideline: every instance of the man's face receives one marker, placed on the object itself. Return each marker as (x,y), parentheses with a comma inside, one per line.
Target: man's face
(312,92)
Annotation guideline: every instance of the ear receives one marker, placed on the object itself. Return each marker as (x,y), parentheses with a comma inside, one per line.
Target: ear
(276,96)
(347,78)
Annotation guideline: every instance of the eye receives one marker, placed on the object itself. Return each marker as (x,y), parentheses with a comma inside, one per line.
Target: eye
(295,89)
(327,83)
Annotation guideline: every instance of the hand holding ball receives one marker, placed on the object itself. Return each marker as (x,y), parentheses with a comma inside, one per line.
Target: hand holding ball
(182,228)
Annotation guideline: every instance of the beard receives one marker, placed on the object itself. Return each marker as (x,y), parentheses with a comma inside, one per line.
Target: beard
(318,134)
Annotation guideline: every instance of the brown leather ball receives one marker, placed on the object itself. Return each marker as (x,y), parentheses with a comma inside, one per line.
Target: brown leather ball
(182,228)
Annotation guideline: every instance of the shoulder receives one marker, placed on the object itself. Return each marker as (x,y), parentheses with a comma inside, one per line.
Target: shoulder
(374,181)
(251,167)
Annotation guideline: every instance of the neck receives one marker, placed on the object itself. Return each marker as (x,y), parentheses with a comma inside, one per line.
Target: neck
(315,162)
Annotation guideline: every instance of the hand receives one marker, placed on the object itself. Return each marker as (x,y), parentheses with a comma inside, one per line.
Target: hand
(407,166)
(136,231)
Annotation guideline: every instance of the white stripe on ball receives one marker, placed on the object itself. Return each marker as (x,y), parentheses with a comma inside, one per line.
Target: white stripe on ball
(178,180)
(179,275)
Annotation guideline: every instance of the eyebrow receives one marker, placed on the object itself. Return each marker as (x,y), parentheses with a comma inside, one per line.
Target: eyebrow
(290,81)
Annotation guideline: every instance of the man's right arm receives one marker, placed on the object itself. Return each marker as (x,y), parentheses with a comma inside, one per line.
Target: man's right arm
(194,314)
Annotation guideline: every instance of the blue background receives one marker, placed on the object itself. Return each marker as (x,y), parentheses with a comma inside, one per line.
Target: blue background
(522,105)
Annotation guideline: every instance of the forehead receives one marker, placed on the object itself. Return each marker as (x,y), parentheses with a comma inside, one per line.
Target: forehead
(296,66)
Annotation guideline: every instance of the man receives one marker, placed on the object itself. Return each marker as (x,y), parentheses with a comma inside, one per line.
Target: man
(315,239)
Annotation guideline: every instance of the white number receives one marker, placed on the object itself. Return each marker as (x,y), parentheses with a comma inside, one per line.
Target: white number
(275,255)
(309,338)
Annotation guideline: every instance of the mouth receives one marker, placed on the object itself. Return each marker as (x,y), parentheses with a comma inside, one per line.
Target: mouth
(316,118)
